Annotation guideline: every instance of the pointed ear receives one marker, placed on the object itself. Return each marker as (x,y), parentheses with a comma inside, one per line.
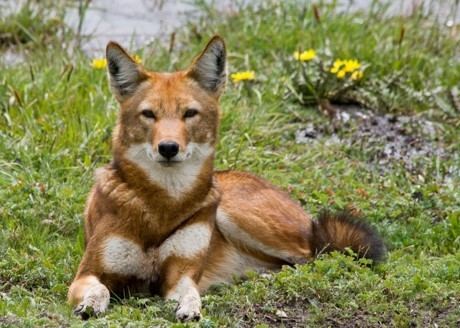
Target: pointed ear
(124,73)
(209,69)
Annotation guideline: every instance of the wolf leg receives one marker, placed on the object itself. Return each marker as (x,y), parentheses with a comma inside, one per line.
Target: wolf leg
(256,216)
(89,296)
(88,293)
(110,263)
(182,257)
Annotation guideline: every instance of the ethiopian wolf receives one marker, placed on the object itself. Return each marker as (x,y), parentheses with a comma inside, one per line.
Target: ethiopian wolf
(159,218)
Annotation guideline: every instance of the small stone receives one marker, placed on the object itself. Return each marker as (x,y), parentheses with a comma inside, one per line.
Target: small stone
(281,314)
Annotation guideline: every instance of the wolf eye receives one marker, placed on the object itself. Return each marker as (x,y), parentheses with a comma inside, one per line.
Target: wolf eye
(190,113)
(148,113)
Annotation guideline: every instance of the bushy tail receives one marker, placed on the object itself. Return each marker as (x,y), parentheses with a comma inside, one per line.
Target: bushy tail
(337,231)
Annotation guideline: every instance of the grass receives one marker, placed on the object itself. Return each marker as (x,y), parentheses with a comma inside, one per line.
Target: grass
(56,119)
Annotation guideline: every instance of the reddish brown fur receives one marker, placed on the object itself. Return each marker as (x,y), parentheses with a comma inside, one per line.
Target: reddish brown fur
(259,226)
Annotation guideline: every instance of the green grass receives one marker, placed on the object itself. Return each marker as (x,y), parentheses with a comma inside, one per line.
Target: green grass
(55,124)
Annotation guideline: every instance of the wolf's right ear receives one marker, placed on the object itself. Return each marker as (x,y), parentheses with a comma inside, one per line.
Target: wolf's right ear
(124,73)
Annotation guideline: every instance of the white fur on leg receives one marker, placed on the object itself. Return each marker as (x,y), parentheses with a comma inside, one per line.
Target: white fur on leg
(228,227)
(125,257)
(186,293)
(96,297)
(186,242)
(189,308)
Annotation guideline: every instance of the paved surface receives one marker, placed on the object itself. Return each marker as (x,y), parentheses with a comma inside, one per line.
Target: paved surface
(134,22)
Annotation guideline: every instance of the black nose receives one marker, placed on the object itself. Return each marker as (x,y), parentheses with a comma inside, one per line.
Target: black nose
(168,149)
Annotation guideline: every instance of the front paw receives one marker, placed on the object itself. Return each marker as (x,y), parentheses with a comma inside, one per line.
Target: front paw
(189,310)
(95,302)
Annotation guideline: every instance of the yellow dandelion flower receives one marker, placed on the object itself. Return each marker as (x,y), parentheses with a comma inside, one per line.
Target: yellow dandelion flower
(306,55)
(337,66)
(357,75)
(99,63)
(351,65)
(137,59)
(341,67)
(243,76)
(341,74)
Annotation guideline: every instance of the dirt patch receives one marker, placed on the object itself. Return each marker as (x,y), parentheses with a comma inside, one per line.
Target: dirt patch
(55,318)
(384,139)
(280,314)
(10,321)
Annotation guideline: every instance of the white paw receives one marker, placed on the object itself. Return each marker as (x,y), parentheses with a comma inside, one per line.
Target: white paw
(189,309)
(95,302)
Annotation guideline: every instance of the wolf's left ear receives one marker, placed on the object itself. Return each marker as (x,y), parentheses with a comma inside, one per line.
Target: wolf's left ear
(124,73)
(209,69)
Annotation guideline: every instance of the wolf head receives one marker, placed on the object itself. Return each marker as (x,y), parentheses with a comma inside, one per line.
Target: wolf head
(168,121)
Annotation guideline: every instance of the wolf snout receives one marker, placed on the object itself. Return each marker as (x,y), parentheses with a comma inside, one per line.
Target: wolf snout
(168,149)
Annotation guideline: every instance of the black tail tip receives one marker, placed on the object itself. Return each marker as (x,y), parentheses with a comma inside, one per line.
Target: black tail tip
(343,229)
